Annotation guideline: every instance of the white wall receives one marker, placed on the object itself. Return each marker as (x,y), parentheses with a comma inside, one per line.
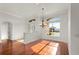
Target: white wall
(18,31)
(18,25)
(31,34)
(74,29)
(64,28)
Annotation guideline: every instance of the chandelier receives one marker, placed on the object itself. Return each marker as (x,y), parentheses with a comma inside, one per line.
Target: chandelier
(43,22)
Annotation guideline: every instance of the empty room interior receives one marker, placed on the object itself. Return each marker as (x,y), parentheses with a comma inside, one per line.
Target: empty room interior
(38,29)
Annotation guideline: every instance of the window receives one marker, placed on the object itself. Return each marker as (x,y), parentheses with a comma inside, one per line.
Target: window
(54,27)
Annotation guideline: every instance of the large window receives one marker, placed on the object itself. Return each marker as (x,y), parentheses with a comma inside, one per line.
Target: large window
(54,27)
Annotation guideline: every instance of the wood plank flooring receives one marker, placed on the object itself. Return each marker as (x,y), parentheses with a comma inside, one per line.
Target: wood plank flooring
(38,47)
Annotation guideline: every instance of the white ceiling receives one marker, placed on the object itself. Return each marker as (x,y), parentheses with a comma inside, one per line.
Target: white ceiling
(25,10)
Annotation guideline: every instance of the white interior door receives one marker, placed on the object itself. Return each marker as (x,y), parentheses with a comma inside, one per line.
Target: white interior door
(6,30)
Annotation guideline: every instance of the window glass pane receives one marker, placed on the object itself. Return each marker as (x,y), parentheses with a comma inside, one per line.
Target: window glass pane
(54,27)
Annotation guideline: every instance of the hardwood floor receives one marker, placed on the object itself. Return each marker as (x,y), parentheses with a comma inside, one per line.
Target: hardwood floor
(39,47)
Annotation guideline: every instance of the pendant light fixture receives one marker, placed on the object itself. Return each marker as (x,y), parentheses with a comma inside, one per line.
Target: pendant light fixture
(43,19)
